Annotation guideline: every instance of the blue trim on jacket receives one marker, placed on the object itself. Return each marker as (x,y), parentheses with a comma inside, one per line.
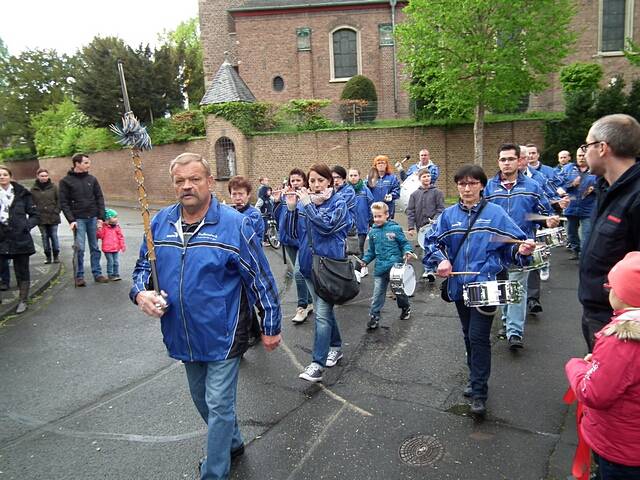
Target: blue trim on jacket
(481,253)
(205,281)
(257,222)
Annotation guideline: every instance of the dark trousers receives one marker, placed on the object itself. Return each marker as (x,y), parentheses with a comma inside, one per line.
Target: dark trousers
(476,328)
(5,274)
(592,322)
(20,267)
(614,471)
(533,285)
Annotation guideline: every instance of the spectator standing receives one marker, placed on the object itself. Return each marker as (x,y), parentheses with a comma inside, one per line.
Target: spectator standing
(82,203)
(18,215)
(611,148)
(47,201)
(112,243)
(215,276)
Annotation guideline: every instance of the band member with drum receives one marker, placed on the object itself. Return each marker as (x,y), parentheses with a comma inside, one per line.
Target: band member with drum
(388,246)
(425,204)
(387,186)
(458,248)
(425,162)
(519,196)
(364,199)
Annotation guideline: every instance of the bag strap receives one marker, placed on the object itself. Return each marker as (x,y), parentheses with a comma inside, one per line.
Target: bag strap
(483,202)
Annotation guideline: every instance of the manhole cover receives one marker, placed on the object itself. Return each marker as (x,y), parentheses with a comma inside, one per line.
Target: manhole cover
(421,450)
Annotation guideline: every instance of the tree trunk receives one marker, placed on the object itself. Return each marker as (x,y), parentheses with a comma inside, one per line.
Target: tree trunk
(478,134)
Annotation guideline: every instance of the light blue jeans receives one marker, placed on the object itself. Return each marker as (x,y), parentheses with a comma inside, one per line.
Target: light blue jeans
(213,387)
(304,297)
(585,232)
(50,241)
(113,264)
(380,284)
(514,315)
(327,333)
(87,228)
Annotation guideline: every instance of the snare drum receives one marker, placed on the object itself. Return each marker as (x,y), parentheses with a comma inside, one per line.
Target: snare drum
(423,232)
(552,237)
(539,258)
(402,279)
(496,292)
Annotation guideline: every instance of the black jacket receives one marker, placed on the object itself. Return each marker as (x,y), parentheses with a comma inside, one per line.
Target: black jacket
(615,231)
(15,237)
(81,196)
(45,198)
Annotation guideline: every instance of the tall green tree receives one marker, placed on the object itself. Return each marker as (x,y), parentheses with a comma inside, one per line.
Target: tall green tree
(471,56)
(29,84)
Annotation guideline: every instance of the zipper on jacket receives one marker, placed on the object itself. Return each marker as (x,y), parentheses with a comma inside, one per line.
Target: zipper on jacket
(184,320)
(466,252)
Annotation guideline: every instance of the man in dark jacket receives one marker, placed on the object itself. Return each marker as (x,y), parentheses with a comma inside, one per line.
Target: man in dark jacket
(611,148)
(82,203)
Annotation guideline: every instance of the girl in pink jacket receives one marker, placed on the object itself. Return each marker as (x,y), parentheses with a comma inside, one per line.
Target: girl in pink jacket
(607,382)
(112,243)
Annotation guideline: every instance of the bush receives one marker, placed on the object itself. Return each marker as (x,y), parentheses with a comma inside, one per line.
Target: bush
(16,153)
(95,140)
(361,88)
(247,117)
(305,114)
(188,124)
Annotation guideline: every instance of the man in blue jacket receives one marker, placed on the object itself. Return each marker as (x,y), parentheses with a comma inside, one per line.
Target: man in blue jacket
(583,199)
(213,270)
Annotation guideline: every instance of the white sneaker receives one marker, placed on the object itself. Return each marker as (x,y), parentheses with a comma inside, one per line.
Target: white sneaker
(309,309)
(334,357)
(544,274)
(313,373)
(364,271)
(301,315)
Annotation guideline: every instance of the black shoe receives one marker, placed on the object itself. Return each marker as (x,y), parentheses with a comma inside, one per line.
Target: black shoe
(237,452)
(502,333)
(534,306)
(515,342)
(4,287)
(468,391)
(373,322)
(478,407)
(405,314)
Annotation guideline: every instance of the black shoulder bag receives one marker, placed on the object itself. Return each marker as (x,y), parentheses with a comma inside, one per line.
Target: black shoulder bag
(444,286)
(333,280)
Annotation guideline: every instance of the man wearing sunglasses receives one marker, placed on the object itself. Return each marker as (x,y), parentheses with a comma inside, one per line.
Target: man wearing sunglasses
(611,149)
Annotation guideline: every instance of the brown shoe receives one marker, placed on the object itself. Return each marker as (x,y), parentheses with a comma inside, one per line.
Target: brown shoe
(80,282)
(102,279)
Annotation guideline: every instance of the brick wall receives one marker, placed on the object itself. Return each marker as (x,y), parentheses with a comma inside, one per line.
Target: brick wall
(22,170)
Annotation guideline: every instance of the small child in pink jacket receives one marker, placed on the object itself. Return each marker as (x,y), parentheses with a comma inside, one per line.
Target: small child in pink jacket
(607,382)
(112,243)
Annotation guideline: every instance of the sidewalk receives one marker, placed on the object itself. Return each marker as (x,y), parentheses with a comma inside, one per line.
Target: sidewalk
(41,277)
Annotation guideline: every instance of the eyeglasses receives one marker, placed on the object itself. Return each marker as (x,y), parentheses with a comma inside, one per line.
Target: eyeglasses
(585,146)
(336,177)
(507,159)
(468,184)
(606,286)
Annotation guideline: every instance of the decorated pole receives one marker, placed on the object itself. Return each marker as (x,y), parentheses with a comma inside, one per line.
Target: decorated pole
(135,136)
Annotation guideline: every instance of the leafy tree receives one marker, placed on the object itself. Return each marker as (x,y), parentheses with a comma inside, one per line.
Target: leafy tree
(611,99)
(29,84)
(470,56)
(633,100)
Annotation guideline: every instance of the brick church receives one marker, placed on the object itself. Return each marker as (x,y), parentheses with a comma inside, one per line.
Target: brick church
(285,49)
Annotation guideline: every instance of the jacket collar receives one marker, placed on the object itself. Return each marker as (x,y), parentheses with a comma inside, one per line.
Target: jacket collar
(627,177)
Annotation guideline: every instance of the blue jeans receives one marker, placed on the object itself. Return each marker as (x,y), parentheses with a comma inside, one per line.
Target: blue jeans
(327,333)
(585,231)
(615,471)
(476,329)
(50,242)
(304,297)
(87,228)
(578,232)
(515,314)
(213,387)
(113,264)
(380,285)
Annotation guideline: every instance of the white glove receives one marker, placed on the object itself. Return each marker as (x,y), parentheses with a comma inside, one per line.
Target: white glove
(398,166)
(387,197)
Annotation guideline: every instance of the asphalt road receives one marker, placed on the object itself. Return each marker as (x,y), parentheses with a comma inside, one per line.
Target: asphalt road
(88,392)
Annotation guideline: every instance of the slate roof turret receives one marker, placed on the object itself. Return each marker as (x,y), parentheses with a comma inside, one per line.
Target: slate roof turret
(227,86)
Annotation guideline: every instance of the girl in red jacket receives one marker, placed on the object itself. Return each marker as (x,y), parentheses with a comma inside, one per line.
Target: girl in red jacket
(607,382)
(112,243)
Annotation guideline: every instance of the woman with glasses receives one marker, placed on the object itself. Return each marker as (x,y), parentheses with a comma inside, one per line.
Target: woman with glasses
(455,247)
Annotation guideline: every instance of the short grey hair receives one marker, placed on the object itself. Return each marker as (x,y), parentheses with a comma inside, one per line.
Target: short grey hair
(621,132)
(185,158)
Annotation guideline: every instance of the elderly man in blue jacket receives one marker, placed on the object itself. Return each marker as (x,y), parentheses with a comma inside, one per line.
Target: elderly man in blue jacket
(212,271)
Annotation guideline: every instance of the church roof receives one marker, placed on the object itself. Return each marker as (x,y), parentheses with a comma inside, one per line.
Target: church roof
(227,86)
(250,5)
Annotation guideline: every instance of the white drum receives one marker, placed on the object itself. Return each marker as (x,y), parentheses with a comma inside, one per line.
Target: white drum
(423,232)
(410,185)
(402,278)
(496,292)
(552,237)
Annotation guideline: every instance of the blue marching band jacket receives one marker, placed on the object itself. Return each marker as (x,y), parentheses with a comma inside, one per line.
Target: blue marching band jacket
(211,283)
(387,184)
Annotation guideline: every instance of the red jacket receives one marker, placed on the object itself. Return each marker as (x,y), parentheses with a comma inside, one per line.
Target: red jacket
(609,388)
(112,238)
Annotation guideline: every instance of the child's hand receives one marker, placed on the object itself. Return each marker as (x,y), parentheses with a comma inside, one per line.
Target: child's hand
(588,357)
(409,255)
(411,232)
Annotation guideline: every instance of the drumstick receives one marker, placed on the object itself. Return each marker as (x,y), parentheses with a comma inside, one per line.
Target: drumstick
(405,159)
(535,217)
(505,239)
(451,274)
